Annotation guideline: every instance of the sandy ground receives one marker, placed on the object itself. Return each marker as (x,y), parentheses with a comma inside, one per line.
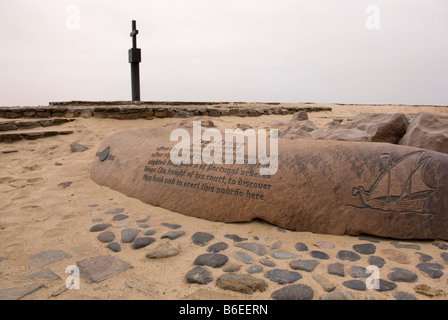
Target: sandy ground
(36,215)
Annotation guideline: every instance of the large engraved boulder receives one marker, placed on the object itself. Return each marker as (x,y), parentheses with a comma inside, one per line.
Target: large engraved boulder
(331,187)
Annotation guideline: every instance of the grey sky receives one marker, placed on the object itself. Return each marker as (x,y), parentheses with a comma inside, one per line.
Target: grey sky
(226,50)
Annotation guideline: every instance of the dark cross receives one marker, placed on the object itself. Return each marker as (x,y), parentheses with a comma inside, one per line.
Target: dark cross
(135,57)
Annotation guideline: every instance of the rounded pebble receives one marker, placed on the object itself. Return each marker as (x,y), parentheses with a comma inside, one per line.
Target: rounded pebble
(319,255)
(142,242)
(293,292)
(347,255)
(214,260)
(402,275)
(282,276)
(199,275)
(150,232)
(300,246)
(128,235)
(115,247)
(100,227)
(242,256)
(256,268)
(119,217)
(106,236)
(201,238)
(304,265)
(365,248)
(217,247)
(172,235)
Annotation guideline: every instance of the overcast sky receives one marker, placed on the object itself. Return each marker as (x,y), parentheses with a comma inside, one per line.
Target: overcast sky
(226,50)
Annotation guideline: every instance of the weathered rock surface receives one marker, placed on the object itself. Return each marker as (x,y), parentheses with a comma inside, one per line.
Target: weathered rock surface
(96,269)
(331,187)
(427,131)
(241,283)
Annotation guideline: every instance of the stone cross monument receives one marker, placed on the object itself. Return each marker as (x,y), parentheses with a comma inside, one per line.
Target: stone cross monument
(135,57)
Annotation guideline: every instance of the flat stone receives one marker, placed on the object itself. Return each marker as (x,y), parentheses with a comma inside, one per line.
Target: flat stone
(276,245)
(424,257)
(440,245)
(283,255)
(304,265)
(45,274)
(256,248)
(385,286)
(347,255)
(41,259)
(163,249)
(146,219)
(119,217)
(376,261)
(128,235)
(358,272)
(357,285)
(100,227)
(324,282)
(199,275)
(232,268)
(18,293)
(395,255)
(399,245)
(217,247)
(150,232)
(428,291)
(143,287)
(76,147)
(300,246)
(95,220)
(142,242)
(106,236)
(370,239)
(96,269)
(402,275)
(114,211)
(336,269)
(114,246)
(171,225)
(401,295)
(201,238)
(339,295)
(255,268)
(143,225)
(241,283)
(267,262)
(214,260)
(172,235)
(293,292)
(319,255)
(234,237)
(282,276)
(324,244)
(365,248)
(444,256)
(434,270)
(242,256)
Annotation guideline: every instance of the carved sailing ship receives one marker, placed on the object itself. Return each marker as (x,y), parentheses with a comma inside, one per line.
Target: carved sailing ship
(400,187)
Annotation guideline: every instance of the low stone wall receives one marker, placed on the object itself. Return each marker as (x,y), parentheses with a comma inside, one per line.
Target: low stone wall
(148,111)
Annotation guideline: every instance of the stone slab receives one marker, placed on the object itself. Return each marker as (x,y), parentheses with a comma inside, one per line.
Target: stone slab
(96,269)
(44,258)
(330,187)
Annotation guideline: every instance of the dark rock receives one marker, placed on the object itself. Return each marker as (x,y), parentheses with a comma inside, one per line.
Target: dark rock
(143,220)
(319,255)
(355,285)
(385,285)
(119,217)
(106,236)
(231,268)
(347,255)
(267,263)
(336,269)
(199,275)
(201,238)
(370,239)
(376,261)
(235,237)
(284,255)
(256,248)
(398,245)
(358,272)
(163,249)
(241,283)
(115,247)
(365,248)
(424,257)
(301,246)
(143,225)
(114,211)
(434,270)
(76,147)
(150,232)
(95,220)
(128,235)
(96,269)
(444,256)
(142,242)
(65,184)
(428,291)
(214,260)
(428,131)
(304,265)
(283,276)
(293,292)
(172,235)
(401,275)
(18,293)
(45,274)
(300,116)
(171,225)
(401,295)
(440,245)
(217,247)
(100,227)
(339,295)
